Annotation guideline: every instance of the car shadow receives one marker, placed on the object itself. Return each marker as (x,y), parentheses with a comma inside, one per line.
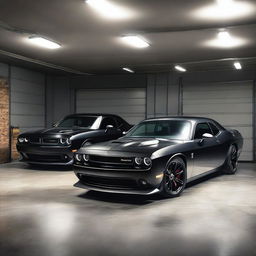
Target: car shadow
(204,178)
(119,198)
(53,168)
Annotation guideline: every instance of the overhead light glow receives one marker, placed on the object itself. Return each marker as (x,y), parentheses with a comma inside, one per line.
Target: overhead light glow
(128,70)
(225,40)
(237,65)
(135,41)
(109,10)
(180,68)
(43,42)
(225,10)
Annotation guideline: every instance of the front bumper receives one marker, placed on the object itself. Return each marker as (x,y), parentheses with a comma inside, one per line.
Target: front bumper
(79,184)
(46,155)
(120,181)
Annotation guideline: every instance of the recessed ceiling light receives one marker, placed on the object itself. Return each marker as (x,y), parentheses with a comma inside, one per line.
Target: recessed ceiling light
(135,41)
(128,70)
(43,42)
(237,65)
(109,10)
(180,68)
(225,40)
(225,9)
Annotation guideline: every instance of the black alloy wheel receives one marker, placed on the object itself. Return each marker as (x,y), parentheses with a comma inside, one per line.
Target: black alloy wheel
(174,179)
(230,166)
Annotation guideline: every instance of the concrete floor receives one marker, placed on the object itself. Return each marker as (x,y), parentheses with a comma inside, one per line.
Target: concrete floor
(41,214)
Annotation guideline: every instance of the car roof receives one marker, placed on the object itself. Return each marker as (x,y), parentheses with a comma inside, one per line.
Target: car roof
(189,118)
(92,114)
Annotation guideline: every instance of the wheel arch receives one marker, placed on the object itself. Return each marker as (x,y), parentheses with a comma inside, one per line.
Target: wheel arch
(181,155)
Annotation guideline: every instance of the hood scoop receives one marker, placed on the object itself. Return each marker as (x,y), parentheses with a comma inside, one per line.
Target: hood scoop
(65,131)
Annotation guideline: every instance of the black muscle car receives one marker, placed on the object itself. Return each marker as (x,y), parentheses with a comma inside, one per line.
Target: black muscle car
(57,145)
(159,155)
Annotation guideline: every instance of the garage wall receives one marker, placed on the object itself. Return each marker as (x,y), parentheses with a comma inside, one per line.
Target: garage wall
(129,103)
(27,99)
(163,98)
(231,104)
(27,94)
(61,91)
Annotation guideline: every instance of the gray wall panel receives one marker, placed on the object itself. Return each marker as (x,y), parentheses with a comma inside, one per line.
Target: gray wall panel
(27,99)
(162,95)
(129,103)
(4,70)
(27,75)
(231,104)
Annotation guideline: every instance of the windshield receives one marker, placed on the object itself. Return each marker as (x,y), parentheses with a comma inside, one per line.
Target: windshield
(169,129)
(79,122)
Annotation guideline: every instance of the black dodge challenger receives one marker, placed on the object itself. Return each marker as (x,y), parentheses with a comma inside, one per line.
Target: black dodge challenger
(57,145)
(159,155)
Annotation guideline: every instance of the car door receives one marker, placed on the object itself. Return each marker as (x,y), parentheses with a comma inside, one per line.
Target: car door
(223,144)
(205,149)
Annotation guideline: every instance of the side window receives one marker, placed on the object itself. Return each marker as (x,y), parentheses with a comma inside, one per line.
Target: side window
(108,121)
(214,128)
(201,129)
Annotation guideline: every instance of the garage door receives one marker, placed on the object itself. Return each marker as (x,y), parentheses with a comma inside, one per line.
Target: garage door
(231,104)
(127,103)
(27,99)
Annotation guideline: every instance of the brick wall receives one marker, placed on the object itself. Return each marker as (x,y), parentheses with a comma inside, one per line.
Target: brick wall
(4,121)
(14,135)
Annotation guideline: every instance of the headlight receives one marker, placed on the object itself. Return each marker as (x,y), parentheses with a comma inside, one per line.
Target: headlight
(64,141)
(138,160)
(86,157)
(22,140)
(78,157)
(147,161)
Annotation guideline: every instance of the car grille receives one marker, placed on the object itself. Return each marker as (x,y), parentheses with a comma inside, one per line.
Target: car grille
(111,162)
(34,140)
(47,158)
(110,183)
(44,140)
(50,140)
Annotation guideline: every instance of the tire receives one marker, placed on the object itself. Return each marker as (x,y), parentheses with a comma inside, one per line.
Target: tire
(230,165)
(174,178)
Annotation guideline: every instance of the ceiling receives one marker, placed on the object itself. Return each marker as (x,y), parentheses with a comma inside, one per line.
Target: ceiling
(91,43)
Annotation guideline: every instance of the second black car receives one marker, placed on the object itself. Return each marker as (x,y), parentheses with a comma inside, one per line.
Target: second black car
(57,145)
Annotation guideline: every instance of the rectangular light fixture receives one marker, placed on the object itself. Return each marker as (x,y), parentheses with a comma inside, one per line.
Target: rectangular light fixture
(128,70)
(180,68)
(43,42)
(237,65)
(109,10)
(135,41)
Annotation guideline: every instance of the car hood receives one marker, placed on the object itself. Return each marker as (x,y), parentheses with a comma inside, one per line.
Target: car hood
(56,131)
(135,145)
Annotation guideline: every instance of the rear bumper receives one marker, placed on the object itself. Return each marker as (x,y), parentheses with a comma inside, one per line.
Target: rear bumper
(46,155)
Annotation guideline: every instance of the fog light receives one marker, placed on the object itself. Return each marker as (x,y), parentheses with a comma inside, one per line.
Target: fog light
(143,182)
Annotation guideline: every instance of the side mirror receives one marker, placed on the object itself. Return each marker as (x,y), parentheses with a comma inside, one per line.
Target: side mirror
(109,128)
(207,135)
(54,124)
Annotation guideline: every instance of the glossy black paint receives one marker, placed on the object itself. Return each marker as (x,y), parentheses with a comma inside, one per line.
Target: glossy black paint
(112,173)
(44,147)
